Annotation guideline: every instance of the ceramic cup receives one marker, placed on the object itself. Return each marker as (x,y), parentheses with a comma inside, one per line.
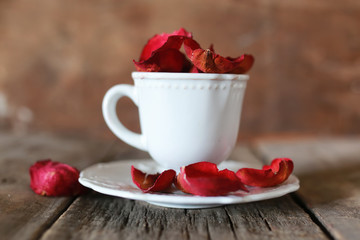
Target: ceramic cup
(185,117)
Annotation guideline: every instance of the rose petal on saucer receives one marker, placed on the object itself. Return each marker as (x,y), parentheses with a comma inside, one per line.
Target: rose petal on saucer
(270,175)
(153,182)
(50,178)
(205,179)
(164,41)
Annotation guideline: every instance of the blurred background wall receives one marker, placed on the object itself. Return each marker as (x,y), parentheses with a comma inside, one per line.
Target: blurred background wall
(58,58)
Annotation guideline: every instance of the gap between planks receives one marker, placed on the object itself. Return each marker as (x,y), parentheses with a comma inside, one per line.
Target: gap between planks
(56,218)
(266,150)
(110,153)
(299,201)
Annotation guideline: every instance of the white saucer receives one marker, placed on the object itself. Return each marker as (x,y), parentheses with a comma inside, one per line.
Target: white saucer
(114,178)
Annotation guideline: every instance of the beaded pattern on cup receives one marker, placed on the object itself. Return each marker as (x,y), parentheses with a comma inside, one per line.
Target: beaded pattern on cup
(190,86)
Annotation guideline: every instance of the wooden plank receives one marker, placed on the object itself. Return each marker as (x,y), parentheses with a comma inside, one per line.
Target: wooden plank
(97,216)
(279,218)
(23,214)
(329,172)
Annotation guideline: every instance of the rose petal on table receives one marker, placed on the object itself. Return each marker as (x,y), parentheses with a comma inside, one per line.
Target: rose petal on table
(205,179)
(206,60)
(50,178)
(168,60)
(153,182)
(165,41)
(270,175)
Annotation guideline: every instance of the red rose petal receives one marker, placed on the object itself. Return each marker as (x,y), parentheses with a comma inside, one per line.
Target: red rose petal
(279,170)
(242,64)
(210,62)
(204,179)
(211,48)
(194,69)
(169,60)
(50,178)
(190,45)
(153,182)
(166,41)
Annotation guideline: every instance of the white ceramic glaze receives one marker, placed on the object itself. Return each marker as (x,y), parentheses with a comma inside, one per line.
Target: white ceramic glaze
(114,179)
(184,117)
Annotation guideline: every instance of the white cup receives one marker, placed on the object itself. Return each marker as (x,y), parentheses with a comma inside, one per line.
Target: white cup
(184,117)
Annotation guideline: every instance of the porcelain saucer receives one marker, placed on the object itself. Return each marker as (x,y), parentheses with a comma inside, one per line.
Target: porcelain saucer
(114,178)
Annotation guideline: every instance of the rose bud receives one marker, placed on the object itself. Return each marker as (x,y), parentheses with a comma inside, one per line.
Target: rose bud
(50,178)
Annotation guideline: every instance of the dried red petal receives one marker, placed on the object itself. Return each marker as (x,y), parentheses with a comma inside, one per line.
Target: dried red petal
(164,41)
(169,60)
(190,45)
(242,64)
(194,69)
(50,178)
(153,182)
(269,176)
(209,62)
(161,53)
(205,179)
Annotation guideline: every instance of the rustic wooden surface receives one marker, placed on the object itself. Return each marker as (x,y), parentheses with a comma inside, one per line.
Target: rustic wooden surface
(327,206)
(329,171)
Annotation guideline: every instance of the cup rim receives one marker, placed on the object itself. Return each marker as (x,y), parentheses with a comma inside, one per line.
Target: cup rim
(188,76)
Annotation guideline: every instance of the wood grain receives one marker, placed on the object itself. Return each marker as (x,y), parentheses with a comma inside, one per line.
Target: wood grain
(96,216)
(329,171)
(23,214)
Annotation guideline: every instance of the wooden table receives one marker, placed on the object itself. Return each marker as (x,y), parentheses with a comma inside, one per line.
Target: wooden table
(327,206)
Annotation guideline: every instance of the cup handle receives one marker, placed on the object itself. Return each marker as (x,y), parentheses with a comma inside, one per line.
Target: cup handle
(110,100)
